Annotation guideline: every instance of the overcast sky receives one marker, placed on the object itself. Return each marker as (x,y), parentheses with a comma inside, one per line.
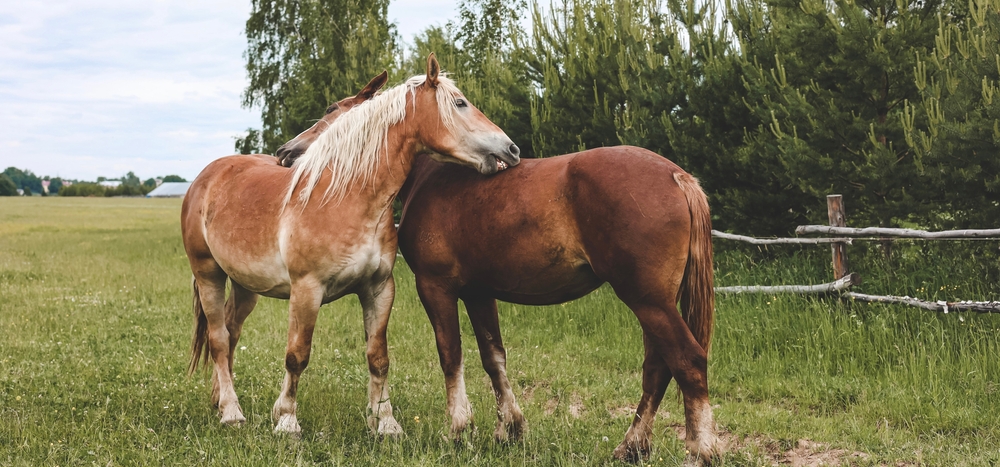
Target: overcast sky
(102,87)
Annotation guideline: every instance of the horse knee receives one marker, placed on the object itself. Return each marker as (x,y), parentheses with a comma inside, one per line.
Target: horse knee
(378,363)
(296,363)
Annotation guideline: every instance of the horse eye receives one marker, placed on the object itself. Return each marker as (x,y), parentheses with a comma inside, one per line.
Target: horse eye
(460,103)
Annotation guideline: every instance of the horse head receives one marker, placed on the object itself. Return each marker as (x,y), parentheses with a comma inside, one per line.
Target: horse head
(454,130)
(294,148)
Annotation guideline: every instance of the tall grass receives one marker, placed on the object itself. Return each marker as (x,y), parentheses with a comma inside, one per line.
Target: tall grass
(95,323)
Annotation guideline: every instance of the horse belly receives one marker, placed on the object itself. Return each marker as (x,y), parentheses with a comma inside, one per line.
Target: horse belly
(264,276)
(548,286)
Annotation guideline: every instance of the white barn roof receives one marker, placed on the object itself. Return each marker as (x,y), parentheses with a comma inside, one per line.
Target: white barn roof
(170,190)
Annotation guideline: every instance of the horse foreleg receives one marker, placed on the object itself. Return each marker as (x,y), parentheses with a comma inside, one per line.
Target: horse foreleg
(486,323)
(239,305)
(442,309)
(655,378)
(303,307)
(377,305)
(212,291)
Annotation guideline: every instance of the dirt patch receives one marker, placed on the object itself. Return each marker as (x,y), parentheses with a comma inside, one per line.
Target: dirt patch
(806,453)
(627,411)
(550,406)
(575,405)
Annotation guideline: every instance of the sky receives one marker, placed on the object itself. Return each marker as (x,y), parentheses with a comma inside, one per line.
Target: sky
(103,87)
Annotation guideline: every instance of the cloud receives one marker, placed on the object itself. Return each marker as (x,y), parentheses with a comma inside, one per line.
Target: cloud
(97,88)
(103,87)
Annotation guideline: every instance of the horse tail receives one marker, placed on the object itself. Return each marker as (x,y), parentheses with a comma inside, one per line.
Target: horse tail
(199,349)
(697,292)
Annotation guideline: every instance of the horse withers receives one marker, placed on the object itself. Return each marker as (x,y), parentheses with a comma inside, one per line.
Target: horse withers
(553,230)
(322,230)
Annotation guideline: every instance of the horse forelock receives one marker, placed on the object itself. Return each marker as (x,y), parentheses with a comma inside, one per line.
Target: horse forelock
(350,147)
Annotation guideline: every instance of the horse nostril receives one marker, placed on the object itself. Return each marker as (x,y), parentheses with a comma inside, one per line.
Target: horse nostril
(514,150)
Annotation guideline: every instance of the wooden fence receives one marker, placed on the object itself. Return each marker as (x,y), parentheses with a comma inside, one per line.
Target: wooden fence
(841,271)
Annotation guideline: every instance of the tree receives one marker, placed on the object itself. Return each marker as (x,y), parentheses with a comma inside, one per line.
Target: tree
(303,55)
(827,82)
(7,186)
(24,179)
(173,179)
(131,179)
(250,142)
(953,125)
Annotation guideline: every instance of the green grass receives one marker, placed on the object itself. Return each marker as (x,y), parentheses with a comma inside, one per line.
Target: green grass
(95,326)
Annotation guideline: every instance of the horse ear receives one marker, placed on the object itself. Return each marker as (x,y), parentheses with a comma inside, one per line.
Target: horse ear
(373,86)
(432,70)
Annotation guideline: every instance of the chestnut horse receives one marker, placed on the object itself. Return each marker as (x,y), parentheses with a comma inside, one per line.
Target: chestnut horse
(551,231)
(248,220)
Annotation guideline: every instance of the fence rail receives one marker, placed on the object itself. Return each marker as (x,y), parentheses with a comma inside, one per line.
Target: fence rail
(896,233)
(844,279)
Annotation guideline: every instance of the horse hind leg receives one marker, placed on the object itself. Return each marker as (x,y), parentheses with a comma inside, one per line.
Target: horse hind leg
(239,305)
(655,378)
(486,323)
(666,333)
(377,305)
(303,308)
(211,290)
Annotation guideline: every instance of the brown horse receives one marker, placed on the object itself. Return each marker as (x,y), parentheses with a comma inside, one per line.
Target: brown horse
(289,151)
(248,220)
(551,231)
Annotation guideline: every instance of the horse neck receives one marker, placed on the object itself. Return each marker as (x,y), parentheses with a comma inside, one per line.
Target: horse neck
(401,149)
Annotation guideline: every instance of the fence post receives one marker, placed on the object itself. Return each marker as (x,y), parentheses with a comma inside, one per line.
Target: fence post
(835,211)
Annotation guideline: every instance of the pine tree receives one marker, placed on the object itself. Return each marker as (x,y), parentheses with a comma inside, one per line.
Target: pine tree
(827,82)
(953,126)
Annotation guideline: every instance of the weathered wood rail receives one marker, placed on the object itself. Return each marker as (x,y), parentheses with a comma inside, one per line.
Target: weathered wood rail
(845,279)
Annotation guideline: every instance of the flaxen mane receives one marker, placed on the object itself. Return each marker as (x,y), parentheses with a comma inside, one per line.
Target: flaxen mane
(351,146)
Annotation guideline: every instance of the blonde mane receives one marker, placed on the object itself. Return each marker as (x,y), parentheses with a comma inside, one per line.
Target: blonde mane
(351,147)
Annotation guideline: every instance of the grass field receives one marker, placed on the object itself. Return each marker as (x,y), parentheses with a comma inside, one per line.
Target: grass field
(95,326)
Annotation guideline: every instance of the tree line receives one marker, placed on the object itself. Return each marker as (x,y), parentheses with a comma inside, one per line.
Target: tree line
(772,104)
(13,179)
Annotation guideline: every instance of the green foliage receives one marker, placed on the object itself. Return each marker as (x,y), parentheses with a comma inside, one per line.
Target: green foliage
(303,55)
(24,179)
(127,190)
(250,142)
(173,179)
(827,86)
(7,186)
(131,179)
(587,58)
(953,124)
(83,189)
(55,185)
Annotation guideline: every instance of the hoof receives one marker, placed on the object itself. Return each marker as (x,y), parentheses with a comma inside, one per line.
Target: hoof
(509,432)
(386,427)
(631,453)
(288,424)
(236,420)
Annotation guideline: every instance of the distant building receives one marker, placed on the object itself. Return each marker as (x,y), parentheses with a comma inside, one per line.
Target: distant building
(67,183)
(45,185)
(170,190)
(110,183)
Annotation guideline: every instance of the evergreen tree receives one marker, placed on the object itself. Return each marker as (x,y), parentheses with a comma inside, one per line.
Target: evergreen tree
(827,82)
(953,127)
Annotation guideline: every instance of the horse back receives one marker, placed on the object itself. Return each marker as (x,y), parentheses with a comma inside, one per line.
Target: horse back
(546,231)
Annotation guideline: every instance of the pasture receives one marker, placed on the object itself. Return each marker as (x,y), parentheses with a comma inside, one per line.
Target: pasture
(95,329)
